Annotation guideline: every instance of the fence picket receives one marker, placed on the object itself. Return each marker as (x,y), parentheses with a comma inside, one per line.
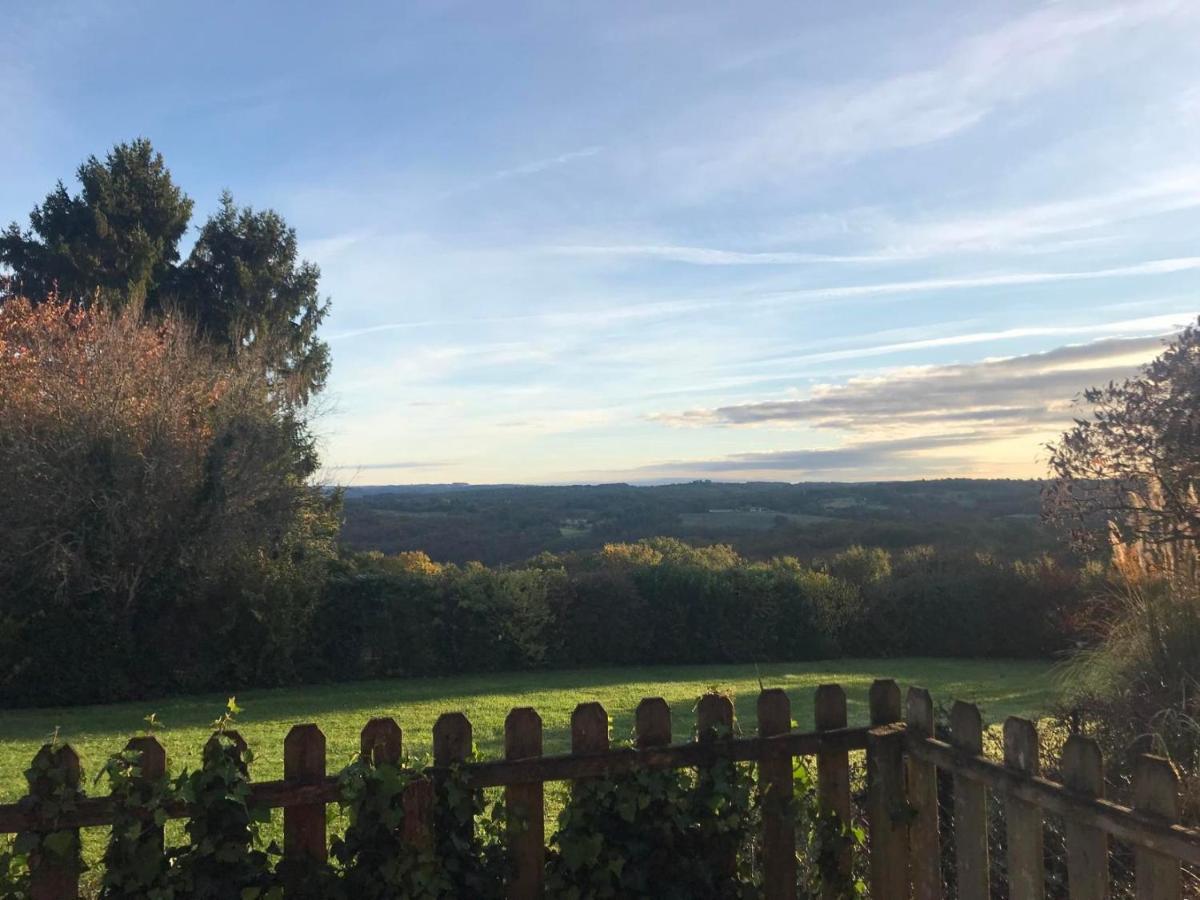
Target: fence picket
(452,738)
(925,849)
(589,729)
(714,719)
(884,701)
(887,813)
(303,825)
(51,876)
(1087,847)
(1156,791)
(1023,820)
(652,723)
(775,783)
(525,807)
(381,741)
(970,807)
(152,761)
(833,774)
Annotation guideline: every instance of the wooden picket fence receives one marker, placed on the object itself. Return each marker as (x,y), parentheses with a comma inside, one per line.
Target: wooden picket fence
(903,758)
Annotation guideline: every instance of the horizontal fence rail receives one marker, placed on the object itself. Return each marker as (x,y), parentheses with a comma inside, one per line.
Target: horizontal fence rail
(903,762)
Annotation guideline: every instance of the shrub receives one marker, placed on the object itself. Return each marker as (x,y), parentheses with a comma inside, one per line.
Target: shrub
(158,528)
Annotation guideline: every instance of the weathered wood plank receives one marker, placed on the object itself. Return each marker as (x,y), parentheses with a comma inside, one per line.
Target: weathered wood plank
(1156,792)
(153,765)
(653,723)
(1087,846)
(884,700)
(775,781)
(1120,822)
(452,740)
(589,731)
(887,812)
(526,807)
(833,775)
(714,723)
(304,826)
(52,876)
(1023,820)
(970,807)
(381,741)
(925,848)
(714,717)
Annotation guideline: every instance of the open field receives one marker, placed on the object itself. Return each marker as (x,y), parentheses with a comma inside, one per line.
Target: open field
(1000,687)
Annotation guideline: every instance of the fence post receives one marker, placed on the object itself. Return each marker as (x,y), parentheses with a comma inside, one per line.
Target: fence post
(1023,820)
(152,761)
(775,781)
(54,875)
(303,826)
(1087,847)
(525,807)
(1156,791)
(970,807)
(925,850)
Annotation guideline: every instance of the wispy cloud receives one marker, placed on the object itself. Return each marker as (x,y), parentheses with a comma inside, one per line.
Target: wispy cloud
(399,464)
(524,170)
(1031,226)
(709,256)
(976,78)
(970,282)
(1153,325)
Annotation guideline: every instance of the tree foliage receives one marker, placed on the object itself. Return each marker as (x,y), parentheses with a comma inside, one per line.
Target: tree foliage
(245,287)
(118,238)
(158,528)
(116,243)
(1134,464)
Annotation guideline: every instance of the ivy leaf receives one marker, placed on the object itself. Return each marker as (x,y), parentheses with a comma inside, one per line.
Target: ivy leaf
(59,843)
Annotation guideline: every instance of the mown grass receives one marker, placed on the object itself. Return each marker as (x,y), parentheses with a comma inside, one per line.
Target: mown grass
(1001,688)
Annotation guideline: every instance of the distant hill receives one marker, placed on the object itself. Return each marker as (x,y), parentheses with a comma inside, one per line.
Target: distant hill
(500,524)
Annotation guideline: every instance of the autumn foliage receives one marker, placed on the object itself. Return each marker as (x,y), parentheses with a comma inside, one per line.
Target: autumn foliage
(159,531)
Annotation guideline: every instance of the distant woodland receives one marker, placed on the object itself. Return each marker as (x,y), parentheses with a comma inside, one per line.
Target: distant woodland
(507,524)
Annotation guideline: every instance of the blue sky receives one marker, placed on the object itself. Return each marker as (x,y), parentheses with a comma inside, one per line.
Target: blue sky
(647,241)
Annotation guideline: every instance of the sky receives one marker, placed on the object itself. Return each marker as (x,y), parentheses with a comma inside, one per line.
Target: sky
(630,241)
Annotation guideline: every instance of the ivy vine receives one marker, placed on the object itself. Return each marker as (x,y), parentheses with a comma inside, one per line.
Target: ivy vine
(220,860)
(666,833)
(458,854)
(135,861)
(54,793)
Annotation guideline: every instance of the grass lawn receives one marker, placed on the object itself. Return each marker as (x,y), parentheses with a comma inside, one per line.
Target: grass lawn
(1000,687)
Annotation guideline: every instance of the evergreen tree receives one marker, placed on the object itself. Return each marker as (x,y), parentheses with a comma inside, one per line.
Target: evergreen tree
(117,239)
(245,287)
